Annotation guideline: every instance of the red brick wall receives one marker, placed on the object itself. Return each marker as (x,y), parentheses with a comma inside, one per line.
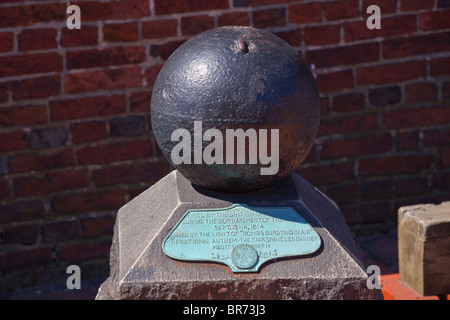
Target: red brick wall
(75,136)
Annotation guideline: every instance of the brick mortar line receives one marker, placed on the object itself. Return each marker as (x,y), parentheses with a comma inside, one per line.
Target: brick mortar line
(80,167)
(104,45)
(367,110)
(67,123)
(75,96)
(217,12)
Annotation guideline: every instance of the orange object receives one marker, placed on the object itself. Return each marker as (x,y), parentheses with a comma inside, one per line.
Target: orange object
(394,288)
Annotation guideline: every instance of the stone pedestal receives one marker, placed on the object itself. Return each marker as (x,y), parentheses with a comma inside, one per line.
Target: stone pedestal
(141,270)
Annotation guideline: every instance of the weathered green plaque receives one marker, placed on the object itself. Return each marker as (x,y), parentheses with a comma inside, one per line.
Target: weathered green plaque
(240,236)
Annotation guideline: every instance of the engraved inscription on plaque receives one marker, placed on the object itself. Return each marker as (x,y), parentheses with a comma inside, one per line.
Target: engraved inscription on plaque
(240,236)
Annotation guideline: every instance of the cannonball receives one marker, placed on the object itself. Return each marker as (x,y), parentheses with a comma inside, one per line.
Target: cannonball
(238,80)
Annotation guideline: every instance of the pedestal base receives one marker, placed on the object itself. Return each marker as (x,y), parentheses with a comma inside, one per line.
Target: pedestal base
(141,270)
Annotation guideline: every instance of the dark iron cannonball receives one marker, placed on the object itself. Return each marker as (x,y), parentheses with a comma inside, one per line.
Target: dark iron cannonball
(232,78)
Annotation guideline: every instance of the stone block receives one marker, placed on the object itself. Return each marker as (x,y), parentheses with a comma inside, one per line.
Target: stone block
(424,247)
